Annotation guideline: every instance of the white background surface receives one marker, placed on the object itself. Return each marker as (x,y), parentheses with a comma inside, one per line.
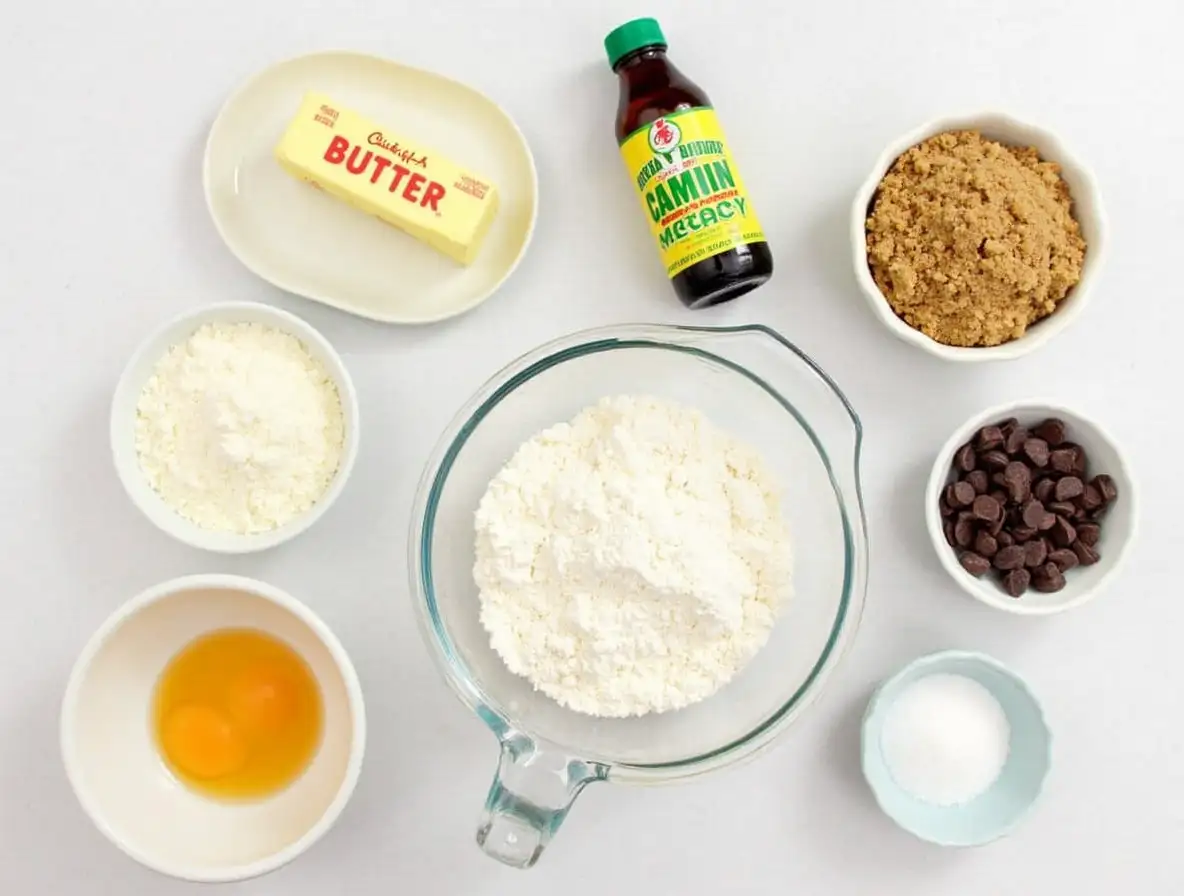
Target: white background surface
(103,235)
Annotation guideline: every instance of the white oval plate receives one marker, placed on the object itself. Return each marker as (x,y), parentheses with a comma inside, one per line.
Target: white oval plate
(308,243)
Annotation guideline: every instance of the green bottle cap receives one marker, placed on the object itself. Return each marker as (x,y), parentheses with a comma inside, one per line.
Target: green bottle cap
(632,36)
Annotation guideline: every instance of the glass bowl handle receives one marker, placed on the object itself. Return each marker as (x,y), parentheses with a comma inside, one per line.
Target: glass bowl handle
(804,387)
(532,791)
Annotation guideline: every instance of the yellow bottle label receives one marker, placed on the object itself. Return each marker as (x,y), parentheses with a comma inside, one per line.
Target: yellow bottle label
(691,191)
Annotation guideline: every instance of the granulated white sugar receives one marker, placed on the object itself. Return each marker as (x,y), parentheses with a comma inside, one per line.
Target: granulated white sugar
(945,739)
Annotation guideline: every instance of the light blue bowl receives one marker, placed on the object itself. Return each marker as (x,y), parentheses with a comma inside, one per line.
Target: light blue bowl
(1015,792)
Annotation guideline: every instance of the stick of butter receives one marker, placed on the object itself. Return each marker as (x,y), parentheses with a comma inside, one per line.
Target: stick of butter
(401,182)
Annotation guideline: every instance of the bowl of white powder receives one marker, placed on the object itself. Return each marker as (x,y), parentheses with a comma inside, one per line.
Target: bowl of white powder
(638,553)
(956,748)
(234,427)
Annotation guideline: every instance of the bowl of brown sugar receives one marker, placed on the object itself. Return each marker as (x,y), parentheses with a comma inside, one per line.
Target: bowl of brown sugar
(977,238)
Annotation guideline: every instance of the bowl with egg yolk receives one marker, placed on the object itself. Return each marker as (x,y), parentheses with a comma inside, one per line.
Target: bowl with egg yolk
(213,728)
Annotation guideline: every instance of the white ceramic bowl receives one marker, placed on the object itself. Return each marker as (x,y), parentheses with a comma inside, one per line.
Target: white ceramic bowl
(1119,527)
(115,770)
(123,418)
(1087,209)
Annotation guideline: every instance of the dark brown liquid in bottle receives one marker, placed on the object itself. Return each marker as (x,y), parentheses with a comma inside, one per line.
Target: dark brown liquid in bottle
(652,86)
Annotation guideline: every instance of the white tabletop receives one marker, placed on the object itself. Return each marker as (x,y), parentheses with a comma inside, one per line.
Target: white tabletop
(104,234)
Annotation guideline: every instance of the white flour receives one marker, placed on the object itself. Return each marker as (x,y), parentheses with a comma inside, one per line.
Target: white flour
(239,428)
(632,560)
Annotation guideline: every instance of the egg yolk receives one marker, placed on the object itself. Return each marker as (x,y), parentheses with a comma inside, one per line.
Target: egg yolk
(237,713)
(203,742)
(262,700)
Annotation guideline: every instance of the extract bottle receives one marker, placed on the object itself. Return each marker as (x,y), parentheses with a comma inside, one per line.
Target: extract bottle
(709,238)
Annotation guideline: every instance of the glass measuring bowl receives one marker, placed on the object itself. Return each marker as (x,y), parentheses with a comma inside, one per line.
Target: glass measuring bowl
(756,385)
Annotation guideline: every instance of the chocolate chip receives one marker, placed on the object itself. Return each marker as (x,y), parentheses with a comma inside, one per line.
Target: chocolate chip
(1033,514)
(1069,488)
(1052,431)
(1062,460)
(1106,488)
(999,495)
(1063,533)
(1008,426)
(1015,440)
(1023,533)
(947,529)
(1089,533)
(1017,479)
(1048,579)
(944,508)
(1035,552)
(1004,539)
(1091,498)
(1086,553)
(994,461)
(978,481)
(962,494)
(987,509)
(1036,450)
(964,529)
(1080,461)
(985,544)
(965,458)
(973,563)
(1063,508)
(1050,520)
(989,438)
(1064,558)
(1043,489)
(1010,557)
(1016,582)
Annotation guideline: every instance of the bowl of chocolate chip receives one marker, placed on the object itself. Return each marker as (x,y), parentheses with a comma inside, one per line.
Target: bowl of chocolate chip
(977,237)
(1031,508)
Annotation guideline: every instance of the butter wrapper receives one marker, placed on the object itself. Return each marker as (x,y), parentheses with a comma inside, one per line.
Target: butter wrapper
(388,175)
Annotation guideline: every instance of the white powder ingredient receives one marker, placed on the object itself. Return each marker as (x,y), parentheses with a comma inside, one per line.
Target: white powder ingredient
(239,429)
(945,739)
(631,560)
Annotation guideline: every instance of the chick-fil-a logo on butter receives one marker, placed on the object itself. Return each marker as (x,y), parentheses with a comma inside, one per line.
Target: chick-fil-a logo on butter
(402,180)
(404,155)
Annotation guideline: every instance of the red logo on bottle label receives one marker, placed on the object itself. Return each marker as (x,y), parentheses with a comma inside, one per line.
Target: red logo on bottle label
(664,135)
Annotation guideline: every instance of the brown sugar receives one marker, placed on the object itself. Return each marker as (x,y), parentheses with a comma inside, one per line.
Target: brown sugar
(972,241)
